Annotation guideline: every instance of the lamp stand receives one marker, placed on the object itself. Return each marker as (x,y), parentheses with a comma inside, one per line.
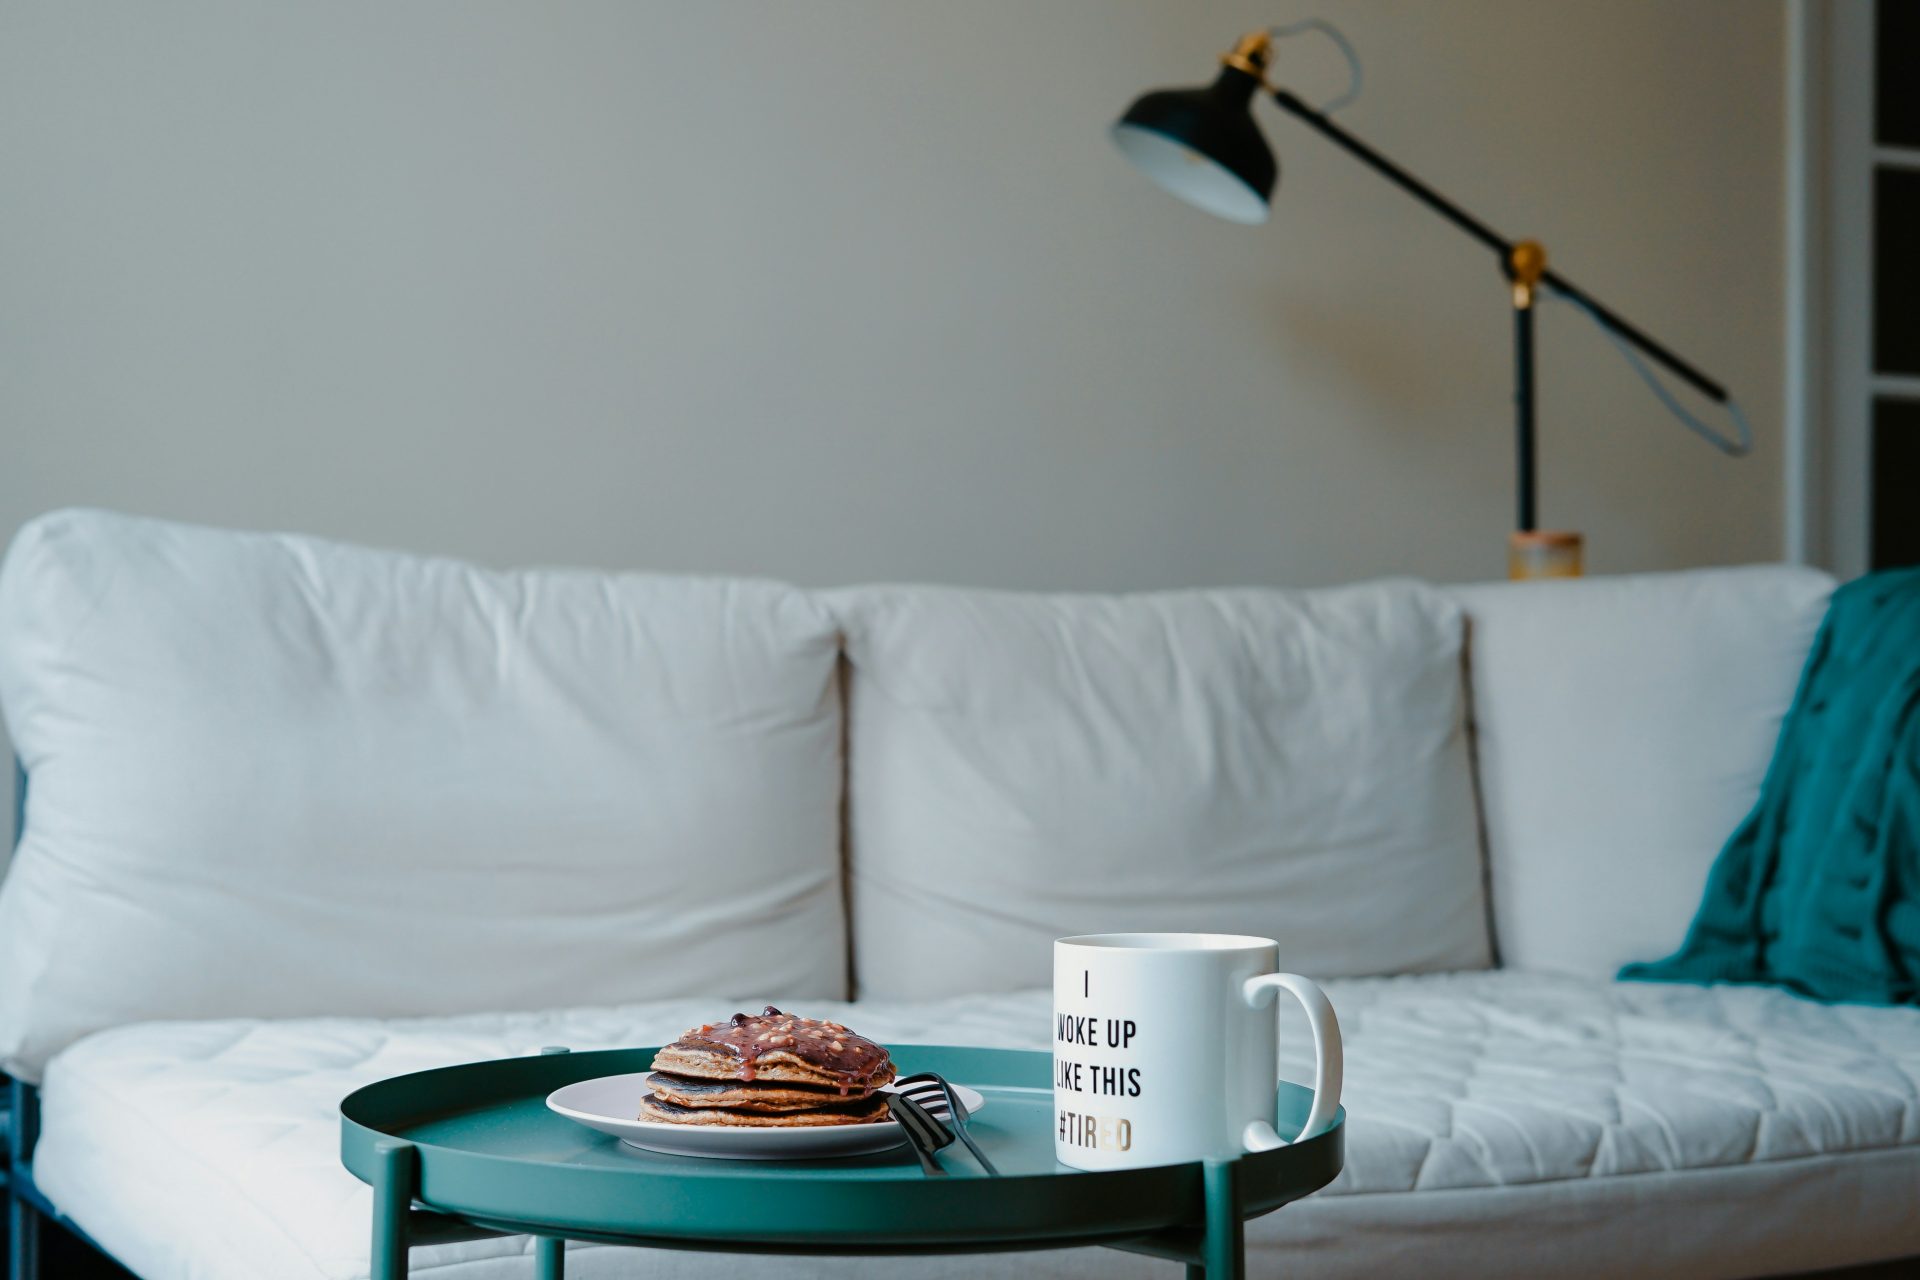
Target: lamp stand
(1531,553)
(1202,145)
(1525,263)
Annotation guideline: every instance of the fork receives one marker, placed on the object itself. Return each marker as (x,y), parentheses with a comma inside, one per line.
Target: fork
(924,1134)
(926,1086)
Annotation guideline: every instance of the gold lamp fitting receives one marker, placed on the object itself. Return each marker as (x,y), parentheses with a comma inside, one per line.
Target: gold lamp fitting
(1526,263)
(1545,553)
(1251,53)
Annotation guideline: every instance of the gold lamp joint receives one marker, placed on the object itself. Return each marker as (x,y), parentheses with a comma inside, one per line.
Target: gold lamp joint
(1251,53)
(1526,263)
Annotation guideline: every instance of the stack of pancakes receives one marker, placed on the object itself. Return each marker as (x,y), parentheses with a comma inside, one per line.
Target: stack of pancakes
(770,1071)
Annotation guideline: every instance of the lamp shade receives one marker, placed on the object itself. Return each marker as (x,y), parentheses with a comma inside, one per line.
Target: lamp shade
(1203,146)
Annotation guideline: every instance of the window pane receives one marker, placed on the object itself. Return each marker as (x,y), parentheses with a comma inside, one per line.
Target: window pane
(1896,483)
(1896,92)
(1896,270)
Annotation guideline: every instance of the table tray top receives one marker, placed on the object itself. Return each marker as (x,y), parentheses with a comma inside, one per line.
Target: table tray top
(491,1153)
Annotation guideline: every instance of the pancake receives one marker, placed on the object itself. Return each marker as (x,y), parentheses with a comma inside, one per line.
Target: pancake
(771,1070)
(741,1095)
(777,1066)
(781,1048)
(864,1111)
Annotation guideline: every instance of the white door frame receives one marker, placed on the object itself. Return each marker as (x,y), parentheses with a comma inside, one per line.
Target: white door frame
(1830,383)
(1804,531)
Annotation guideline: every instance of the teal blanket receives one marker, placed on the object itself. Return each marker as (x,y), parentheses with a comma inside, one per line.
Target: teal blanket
(1819,889)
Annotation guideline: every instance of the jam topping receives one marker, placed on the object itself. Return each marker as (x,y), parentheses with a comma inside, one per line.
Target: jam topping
(827,1047)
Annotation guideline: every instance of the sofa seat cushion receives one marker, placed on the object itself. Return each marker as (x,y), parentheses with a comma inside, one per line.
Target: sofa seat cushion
(1501,1124)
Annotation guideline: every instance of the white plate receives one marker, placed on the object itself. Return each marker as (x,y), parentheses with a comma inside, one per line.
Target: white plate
(612,1103)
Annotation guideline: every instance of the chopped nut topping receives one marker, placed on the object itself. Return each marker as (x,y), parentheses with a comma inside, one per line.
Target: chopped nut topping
(744,1039)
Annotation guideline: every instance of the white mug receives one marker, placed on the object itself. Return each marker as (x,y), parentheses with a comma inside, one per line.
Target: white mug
(1164,1048)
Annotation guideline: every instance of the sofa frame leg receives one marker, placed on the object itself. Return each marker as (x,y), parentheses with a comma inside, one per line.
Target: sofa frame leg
(549,1258)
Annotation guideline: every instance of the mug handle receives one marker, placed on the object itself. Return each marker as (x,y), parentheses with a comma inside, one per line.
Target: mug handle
(1260,1135)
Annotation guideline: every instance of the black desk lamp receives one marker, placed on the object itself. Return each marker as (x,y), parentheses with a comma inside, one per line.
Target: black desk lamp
(1202,145)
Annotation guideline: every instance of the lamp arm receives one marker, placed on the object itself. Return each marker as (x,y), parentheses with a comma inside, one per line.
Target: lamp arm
(1486,235)
(1419,190)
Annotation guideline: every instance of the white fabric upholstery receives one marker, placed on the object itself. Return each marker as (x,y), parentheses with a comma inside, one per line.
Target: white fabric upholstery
(1287,764)
(1502,1124)
(274,775)
(1623,726)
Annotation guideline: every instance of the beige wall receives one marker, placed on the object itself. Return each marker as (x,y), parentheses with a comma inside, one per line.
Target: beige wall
(858,289)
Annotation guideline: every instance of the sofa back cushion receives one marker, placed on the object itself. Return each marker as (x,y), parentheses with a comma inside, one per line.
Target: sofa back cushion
(1622,728)
(276,776)
(1287,764)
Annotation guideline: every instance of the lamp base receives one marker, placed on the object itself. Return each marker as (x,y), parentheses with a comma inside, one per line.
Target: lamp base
(1544,553)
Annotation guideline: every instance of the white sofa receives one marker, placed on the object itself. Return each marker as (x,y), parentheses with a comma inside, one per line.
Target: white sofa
(301,816)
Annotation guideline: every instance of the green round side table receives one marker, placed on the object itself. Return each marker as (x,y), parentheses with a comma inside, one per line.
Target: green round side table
(469,1151)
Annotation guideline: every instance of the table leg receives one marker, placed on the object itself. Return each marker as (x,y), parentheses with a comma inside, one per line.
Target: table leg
(23,1102)
(549,1258)
(23,1239)
(392,1202)
(1224,1247)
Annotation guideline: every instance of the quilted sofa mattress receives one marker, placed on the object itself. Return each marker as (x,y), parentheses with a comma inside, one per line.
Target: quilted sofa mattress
(1503,1124)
